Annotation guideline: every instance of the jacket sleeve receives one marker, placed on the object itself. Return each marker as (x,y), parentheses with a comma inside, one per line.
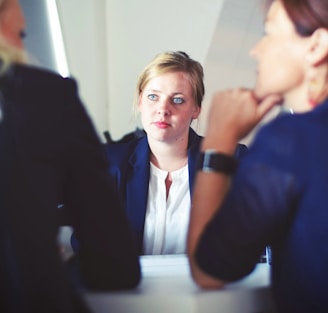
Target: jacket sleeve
(107,257)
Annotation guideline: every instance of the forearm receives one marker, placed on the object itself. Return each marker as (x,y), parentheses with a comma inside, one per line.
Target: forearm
(209,191)
(233,114)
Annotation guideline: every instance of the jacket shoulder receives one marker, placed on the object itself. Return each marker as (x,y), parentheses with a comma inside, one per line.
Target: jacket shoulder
(119,153)
(29,78)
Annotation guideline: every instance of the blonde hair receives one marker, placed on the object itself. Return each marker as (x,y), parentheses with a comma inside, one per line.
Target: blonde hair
(9,53)
(168,62)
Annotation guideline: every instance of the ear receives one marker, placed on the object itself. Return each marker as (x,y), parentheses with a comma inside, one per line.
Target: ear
(318,51)
(196,112)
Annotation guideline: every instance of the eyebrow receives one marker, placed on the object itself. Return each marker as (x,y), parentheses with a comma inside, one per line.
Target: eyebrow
(152,90)
(173,94)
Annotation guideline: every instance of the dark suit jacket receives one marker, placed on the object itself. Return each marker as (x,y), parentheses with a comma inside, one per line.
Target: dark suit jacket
(130,168)
(50,154)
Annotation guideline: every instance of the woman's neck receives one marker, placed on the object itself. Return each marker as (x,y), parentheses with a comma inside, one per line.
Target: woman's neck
(168,157)
(297,100)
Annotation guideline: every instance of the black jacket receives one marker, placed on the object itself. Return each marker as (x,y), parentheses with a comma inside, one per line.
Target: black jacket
(50,154)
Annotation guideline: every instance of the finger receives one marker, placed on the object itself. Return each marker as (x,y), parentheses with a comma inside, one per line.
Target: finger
(267,104)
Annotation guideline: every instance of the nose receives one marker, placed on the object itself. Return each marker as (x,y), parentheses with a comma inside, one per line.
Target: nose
(164,107)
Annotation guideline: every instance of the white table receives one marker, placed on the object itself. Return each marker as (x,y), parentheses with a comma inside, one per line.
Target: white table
(167,287)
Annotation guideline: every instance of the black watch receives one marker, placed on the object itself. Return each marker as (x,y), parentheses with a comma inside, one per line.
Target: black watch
(214,161)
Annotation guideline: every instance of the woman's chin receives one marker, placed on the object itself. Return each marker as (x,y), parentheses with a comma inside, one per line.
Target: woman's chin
(262,94)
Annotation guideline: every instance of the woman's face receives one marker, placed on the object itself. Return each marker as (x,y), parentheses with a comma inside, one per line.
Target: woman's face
(280,56)
(12,22)
(167,107)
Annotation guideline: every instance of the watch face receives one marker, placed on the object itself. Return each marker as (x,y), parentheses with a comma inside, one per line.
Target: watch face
(213,161)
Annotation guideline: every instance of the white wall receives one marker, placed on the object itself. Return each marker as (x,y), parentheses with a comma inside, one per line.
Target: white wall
(138,30)
(108,42)
(84,30)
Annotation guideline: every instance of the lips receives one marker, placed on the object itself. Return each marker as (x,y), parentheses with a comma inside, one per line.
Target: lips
(161,124)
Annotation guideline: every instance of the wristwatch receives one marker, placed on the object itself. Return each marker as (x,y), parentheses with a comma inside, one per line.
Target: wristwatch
(214,161)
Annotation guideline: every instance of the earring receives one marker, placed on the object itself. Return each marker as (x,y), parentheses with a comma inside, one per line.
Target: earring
(313,93)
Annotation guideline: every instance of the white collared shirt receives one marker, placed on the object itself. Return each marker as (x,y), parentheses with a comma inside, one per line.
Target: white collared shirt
(167,220)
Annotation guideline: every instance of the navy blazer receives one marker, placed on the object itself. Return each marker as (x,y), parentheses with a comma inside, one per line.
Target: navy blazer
(129,165)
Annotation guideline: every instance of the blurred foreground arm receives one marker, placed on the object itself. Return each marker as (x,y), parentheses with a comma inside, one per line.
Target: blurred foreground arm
(233,114)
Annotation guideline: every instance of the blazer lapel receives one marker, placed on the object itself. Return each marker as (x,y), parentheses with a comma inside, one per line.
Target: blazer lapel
(193,150)
(137,188)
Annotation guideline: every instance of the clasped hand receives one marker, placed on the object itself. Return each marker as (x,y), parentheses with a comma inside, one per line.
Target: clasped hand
(236,112)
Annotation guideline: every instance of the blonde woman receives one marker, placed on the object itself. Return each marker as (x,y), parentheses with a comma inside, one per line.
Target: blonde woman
(154,174)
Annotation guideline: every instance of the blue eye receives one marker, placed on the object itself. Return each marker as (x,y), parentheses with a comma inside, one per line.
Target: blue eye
(152,97)
(177,100)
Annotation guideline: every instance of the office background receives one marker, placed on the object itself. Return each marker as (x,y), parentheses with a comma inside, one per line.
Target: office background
(104,44)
